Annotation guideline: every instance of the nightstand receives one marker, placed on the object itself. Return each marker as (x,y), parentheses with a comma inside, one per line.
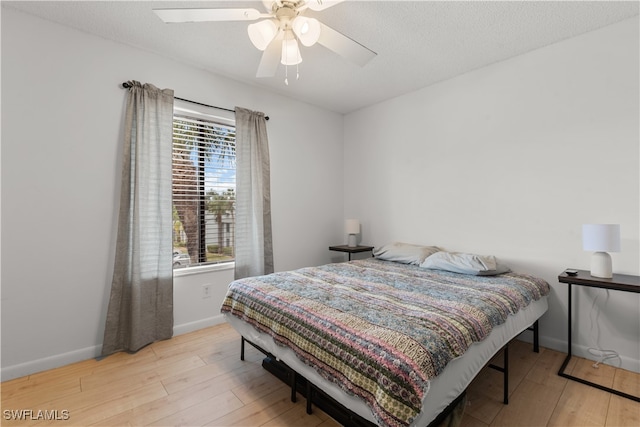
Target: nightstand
(619,282)
(351,249)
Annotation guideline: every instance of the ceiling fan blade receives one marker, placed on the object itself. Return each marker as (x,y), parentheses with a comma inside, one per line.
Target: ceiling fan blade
(208,15)
(319,5)
(345,46)
(270,59)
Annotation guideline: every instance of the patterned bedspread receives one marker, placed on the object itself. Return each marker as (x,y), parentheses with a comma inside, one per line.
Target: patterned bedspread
(378,329)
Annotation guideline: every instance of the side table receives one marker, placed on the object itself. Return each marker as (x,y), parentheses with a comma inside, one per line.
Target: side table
(619,282)
(351,249)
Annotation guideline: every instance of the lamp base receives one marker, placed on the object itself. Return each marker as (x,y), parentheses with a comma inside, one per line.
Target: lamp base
(601,265)
(351,242)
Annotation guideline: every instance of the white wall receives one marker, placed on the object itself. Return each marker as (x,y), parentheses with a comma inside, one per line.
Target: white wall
(62,109)
(511,160)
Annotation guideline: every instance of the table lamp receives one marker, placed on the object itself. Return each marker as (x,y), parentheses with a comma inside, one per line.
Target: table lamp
(600,239)
(352,227)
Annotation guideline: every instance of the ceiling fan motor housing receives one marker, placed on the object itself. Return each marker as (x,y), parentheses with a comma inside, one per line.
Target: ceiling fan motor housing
(286,13)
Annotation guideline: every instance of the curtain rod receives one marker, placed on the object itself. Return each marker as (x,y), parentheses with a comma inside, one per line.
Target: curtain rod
(127,85)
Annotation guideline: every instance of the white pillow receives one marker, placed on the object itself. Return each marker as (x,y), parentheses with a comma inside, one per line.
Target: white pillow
(405,253)
(479,265)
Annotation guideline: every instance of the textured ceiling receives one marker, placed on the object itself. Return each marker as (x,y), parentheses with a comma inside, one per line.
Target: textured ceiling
(418,42)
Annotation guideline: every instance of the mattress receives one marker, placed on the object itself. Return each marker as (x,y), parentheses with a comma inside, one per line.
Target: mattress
(370,278)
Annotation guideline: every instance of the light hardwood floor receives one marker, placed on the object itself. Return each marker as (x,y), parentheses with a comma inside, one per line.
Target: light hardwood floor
(197,379)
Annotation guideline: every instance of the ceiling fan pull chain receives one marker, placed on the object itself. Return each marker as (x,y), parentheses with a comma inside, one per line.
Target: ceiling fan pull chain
(297,72)
(286,75)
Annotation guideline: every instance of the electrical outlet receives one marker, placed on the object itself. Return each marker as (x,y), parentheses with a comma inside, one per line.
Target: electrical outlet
(206,291)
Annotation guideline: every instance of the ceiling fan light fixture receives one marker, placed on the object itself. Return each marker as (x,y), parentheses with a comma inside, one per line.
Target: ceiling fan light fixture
(277,32)
(307,30)
(262,33)
(290,50)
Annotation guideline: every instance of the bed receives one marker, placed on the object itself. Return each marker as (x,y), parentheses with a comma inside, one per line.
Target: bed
(393,342)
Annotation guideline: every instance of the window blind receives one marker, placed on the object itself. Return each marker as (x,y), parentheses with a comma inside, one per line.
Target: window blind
(204,183)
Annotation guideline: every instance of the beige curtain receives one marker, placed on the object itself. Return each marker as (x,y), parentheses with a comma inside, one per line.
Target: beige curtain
(141,304)
(253,245)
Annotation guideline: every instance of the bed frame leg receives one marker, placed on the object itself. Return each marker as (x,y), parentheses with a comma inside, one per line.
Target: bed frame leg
(536,336)
(292,374)
(309,397)
(506,374)
(293,384)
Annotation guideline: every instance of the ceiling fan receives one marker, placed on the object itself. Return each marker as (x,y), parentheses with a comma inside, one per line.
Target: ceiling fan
(279,30)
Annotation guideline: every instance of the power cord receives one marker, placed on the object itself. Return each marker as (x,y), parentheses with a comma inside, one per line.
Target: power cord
(599,352)
(604,355)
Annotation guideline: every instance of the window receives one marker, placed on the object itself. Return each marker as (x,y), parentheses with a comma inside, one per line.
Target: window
(204,181)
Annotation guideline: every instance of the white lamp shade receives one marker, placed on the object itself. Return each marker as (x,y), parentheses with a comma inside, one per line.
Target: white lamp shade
(290,50)
(601,237)
(262,33)
(352,226)
(307,30)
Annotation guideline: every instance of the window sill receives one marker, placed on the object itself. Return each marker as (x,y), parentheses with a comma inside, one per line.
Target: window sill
(201,269)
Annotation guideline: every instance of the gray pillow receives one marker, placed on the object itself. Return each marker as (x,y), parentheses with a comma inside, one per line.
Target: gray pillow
(405,253)
(478,265)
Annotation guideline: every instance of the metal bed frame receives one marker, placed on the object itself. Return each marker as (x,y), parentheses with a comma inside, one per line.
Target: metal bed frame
(346,417)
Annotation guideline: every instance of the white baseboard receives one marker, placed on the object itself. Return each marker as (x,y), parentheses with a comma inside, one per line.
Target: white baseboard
(624,362)
(50,362)
(55,361)
(197,325)
(58,360)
